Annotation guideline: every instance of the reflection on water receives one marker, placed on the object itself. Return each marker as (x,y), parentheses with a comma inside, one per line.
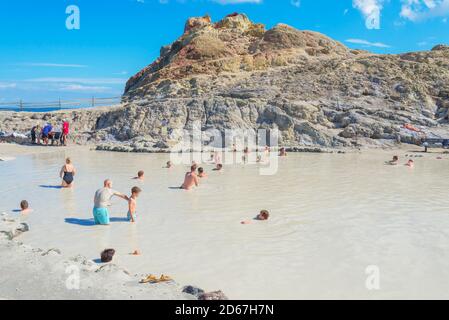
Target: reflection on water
(332,217)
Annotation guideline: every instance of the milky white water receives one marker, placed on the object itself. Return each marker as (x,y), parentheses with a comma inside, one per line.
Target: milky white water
(332,217)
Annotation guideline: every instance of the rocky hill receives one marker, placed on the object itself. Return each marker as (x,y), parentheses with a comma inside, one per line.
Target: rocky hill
(236,74)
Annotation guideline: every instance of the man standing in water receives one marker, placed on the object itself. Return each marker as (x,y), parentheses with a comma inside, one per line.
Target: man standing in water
(191,179)
(101,202)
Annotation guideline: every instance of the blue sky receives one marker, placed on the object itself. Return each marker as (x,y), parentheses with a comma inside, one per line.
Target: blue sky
(41,60)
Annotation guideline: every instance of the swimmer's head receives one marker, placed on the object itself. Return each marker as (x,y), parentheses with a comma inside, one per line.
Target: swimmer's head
(395,158)
(169,164)
(219,166)
(140,174)
(24,205)
(68,161)
(135,191)
(200,170)
(107,183)
(263,215)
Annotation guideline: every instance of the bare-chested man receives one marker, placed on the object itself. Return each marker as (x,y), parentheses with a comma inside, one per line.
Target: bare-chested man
(191,179)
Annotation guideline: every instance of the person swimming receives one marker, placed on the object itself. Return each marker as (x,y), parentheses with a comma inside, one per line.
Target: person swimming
(169,165)
(393,162)
(140,175)
(132,204)
(24,207)
(264,215)
(67,174)
(410,163)
(282,152)
(190,179)
(219,167)
(201,173)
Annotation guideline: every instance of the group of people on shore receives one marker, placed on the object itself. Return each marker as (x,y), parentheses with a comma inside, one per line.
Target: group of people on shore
(49,132)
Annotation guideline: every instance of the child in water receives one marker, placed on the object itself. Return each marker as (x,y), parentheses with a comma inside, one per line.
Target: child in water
(394,162)
(410,163)
(140,176)
(132,204)
(264,215)
(24,207)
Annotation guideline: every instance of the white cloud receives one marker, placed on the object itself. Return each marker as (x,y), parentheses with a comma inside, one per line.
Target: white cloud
(85,81)
(366,43)
(418,10)
(368,7)
(82,88)
(237,1)
(54,65)
(5,85)
(296,3)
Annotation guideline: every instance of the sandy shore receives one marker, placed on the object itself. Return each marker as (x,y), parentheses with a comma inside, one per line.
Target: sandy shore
(33,273)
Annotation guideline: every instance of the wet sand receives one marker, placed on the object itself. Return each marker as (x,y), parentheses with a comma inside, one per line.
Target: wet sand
(333,215)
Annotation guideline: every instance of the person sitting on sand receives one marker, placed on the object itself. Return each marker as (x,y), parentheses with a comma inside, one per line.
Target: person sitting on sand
(410,163)
(24,207)
(132,204)
(282,152)
(394,162)
(262,216)
(140,176)
(201,173)
(191,179)
(101,202)
(169,165)
(67,174)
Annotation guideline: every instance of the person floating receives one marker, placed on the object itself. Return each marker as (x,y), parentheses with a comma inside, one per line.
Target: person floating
(282,152)
(201,173)
(410,163)
(101,202)
(262,216)
(393,162)
(132,204)
(140,176)
(24,207)
(67,174)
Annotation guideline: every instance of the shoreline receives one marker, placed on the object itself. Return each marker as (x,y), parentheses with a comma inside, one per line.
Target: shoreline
(48,274)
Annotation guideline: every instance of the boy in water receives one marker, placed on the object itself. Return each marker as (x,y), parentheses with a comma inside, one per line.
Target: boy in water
(410,163)
(169,165)
(394,162)
(24,207)
(140,176)
(132,204)
(262,216)
(201,173)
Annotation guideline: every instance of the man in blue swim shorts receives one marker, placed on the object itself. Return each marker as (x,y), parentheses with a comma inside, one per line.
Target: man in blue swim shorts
(101,202)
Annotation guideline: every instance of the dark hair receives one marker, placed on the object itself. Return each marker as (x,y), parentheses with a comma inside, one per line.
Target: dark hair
(395,158)
(24,205)
(136,190)
(265,214)
(193,167)
(219,165)
(107,255)
(200,170)
(140,173)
